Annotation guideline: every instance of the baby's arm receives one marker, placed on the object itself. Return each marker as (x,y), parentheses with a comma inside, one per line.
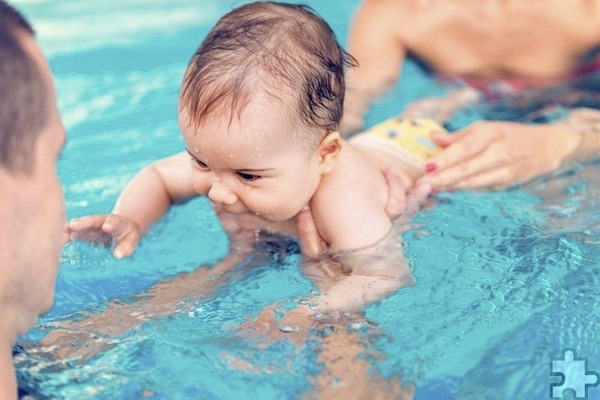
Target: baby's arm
(361,277)
(144,201)
(347,281)
(352,222)
(375,43)
(368,254)
(349,208)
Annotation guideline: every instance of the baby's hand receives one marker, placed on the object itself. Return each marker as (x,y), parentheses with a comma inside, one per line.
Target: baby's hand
(106,230)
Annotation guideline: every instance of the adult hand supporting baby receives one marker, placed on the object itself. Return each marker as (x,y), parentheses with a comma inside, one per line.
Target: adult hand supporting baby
(399,202)
(495,154)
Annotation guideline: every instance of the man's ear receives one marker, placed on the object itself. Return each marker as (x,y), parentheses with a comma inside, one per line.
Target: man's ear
(328,151)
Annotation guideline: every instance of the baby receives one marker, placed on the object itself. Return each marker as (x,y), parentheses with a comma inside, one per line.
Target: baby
(259,109)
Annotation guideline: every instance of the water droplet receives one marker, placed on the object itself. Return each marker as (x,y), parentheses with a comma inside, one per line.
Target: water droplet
(358,326)
(335,383)
(289,328)
(279,313)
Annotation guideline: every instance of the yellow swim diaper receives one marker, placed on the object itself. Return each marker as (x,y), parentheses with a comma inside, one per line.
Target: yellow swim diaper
(409,138)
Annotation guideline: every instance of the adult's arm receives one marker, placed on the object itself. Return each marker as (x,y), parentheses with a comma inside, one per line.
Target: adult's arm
(495,154)
(374,43)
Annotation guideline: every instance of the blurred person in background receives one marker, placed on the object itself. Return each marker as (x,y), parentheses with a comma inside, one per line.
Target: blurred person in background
(490,48)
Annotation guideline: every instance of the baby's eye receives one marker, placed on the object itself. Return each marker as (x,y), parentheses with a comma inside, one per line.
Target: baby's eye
(199,163)
(247,177)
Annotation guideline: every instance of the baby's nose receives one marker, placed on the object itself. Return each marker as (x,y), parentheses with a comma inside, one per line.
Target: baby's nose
(221,194)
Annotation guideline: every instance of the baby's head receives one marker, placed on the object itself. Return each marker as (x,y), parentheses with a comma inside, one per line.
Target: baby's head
(265,92)
(283,52)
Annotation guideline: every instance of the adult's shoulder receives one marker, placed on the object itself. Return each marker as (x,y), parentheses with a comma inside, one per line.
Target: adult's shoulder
(387,16)
(388,8)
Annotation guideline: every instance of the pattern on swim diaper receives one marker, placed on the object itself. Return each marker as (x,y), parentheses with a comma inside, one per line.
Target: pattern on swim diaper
(410,136)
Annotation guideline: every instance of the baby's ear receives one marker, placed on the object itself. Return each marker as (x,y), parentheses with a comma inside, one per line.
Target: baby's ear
(328,150)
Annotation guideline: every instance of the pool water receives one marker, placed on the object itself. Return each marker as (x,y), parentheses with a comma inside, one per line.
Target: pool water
(505,281)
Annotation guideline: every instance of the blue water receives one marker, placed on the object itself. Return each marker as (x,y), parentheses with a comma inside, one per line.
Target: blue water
(505,280)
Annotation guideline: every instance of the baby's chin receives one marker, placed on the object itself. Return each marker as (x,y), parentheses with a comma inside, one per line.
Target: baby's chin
(274,217)
(251,220)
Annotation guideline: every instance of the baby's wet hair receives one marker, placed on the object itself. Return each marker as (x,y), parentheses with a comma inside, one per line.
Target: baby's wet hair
(286,51)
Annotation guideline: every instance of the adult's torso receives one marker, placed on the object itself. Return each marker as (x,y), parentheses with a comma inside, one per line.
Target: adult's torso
(500,38)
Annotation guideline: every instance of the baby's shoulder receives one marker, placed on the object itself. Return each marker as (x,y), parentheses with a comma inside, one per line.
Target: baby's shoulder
(349,207)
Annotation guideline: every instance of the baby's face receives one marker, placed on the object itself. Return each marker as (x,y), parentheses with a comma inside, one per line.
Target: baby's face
(251,164)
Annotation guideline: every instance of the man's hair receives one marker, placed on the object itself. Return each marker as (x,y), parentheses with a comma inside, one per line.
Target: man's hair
(23,94)
(283,50)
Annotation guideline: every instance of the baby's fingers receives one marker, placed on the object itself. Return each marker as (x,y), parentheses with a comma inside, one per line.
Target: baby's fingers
(116,226)
(88,229)
(124,233)
(91,222)
(126,245)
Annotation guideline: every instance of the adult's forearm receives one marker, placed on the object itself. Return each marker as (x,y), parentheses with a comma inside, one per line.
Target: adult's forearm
(584,122)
